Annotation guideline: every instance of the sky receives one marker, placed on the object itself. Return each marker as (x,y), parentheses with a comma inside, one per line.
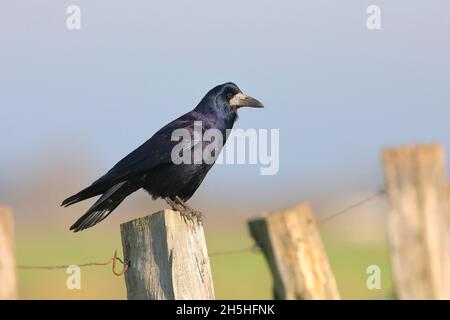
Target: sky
(337,91)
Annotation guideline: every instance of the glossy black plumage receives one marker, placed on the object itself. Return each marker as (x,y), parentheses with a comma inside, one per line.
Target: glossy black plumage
(150,166)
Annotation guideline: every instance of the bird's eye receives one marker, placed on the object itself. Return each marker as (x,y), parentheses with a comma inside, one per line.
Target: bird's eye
(230,95)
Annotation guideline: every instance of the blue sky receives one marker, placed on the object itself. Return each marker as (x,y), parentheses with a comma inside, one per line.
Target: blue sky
(337,91)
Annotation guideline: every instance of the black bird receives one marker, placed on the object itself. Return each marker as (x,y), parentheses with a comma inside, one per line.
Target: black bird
(151,167)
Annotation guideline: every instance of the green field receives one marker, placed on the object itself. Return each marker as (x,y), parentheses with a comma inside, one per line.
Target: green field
(243,275)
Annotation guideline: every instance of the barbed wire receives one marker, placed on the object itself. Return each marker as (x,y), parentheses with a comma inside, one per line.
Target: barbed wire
(113,260)
(254,247)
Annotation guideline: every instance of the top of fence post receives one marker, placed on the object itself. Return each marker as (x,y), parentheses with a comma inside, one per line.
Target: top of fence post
(418,221)
(293,248)
(167,258)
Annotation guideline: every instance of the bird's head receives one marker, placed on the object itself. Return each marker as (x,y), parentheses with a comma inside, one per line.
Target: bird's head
(226,99)
(231,95)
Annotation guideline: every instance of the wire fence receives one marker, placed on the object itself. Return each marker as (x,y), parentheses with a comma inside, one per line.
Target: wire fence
(254,247)
(250,248)
(113,260)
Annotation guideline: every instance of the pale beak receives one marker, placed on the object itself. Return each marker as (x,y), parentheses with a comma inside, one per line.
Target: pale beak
(241,100)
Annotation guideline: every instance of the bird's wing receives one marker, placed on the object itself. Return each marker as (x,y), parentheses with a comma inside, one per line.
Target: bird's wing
(154,152)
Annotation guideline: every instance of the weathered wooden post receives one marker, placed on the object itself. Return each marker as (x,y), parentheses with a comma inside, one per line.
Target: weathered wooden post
(8,279)
(292,246)
(167,258)
(418,221)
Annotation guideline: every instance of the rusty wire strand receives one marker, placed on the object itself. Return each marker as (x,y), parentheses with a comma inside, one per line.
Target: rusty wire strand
(112,260)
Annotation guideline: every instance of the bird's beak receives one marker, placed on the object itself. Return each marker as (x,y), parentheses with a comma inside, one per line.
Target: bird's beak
(241,100)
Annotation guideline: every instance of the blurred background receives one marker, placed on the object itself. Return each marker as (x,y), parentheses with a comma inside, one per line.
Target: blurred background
(73,103)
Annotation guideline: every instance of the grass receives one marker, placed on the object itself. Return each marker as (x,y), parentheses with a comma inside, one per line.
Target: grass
(242,275)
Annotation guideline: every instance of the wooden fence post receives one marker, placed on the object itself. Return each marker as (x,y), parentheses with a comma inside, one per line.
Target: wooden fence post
(168,258)
(418,221)
(8,280)
(292,246)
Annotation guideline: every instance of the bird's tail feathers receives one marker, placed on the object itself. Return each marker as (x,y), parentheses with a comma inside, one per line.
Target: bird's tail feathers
(102,207)
(89,192)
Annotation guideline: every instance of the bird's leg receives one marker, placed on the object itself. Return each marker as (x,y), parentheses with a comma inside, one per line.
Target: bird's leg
(190,211)
(179,205)
(174,205)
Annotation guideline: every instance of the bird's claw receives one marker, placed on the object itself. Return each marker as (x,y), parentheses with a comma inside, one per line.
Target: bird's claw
(187,212)
(192,215)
